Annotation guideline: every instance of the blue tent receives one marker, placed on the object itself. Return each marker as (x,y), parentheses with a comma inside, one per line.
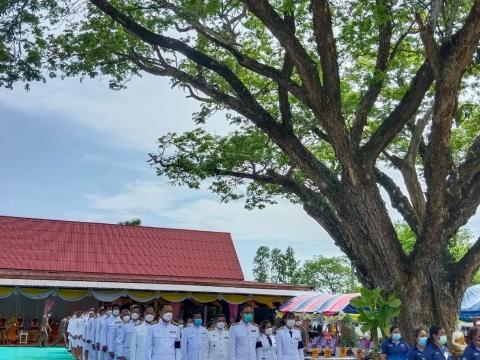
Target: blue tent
(470,307)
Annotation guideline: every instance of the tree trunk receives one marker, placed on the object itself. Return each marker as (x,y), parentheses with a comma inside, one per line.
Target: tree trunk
(429,299)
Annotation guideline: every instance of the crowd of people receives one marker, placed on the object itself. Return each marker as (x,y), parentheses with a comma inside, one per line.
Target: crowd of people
(136,333)
(431,345)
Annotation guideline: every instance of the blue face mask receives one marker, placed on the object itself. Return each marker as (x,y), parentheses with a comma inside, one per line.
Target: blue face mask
(422,341)
(396,337)
(197,322)
(443,339)
(248,318)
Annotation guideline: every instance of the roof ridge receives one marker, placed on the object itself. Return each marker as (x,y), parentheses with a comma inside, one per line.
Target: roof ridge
(115,225)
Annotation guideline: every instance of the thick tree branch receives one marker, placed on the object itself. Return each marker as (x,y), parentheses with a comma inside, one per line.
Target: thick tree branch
(371,95)
(283,102)
(398,200)
(409,170)
(466,268)
(430,44)
(405,109)
(244,60)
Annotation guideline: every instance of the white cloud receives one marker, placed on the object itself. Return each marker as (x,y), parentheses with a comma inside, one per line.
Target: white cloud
(134,118)
(157,204)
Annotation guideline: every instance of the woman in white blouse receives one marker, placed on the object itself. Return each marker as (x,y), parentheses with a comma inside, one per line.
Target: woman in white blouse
(266,349)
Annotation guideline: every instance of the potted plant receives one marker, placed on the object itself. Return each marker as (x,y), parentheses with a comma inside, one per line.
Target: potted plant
(348,338)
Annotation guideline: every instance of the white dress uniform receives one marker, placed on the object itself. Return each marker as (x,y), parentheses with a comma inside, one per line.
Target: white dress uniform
(112,327)
(194,343)
(266,348)
(163,341)
(91,337)
(138,347)
(71,324)
(98,335)
(123,340)
(242,341)
(218,344)
(289,344)
(103,355)
(87,345)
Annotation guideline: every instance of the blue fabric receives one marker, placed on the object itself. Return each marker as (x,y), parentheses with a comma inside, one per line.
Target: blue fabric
(416,354)
(433,352)
(471,353)
(395,351)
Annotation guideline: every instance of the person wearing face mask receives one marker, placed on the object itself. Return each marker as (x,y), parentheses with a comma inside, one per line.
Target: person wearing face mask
(88,352)
(98,330)
(103,355)
(472,352)
(138,350)
(416,351)
(303,330)
(218,340)
(72,323)
(194,341)
(436,349)
(112,327)
(163,339)
(243,337)
(266,347)
(125,331)
(394,348)
(289,340)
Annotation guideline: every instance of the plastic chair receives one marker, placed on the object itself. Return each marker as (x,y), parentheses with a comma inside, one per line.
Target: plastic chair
(23,337)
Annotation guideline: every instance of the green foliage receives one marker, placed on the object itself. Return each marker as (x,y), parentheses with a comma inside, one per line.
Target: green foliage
(131,222)
(275,266)
(348,336)
(328,274)
(376,311)
(262,265)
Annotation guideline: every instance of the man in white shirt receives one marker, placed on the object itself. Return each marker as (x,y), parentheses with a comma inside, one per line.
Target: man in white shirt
(163,339)
(138,347)
(243,337)
(289,340)
(218,340)
(112,327)
(194,343)
(103,354)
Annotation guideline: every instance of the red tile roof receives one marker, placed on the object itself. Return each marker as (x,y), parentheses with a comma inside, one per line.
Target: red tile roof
(82,249)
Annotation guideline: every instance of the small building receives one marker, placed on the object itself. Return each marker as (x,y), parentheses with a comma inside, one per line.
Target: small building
(81,264)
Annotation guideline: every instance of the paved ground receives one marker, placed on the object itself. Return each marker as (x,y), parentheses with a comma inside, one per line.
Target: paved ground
(34,353)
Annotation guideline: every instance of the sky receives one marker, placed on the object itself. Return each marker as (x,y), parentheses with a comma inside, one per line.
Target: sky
(78,151)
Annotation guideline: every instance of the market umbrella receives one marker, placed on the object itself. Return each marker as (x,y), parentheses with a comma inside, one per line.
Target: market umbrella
(318,303)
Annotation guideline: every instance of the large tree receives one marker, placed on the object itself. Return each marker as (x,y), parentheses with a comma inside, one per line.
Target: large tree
(322,97)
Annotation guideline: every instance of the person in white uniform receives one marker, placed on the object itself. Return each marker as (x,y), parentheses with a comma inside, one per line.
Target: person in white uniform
(124,334)
(243,337)
(103,355)
(289,340)
(218,340)
(87,347)
(112,327)
(91,342)
(98,330)
(138,347)
(163,339)
(194,342)
(266,345)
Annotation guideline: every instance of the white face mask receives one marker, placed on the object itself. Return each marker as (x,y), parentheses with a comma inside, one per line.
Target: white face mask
(298,323)
(109,312)
(116,312)
(135,316)
(126,318)
(221,325)
(290,323)
(167,316)
(149,318)
(269,331)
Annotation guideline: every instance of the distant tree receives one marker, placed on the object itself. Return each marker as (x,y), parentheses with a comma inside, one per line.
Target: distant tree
(131,222)
(262,264)
(328,274)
